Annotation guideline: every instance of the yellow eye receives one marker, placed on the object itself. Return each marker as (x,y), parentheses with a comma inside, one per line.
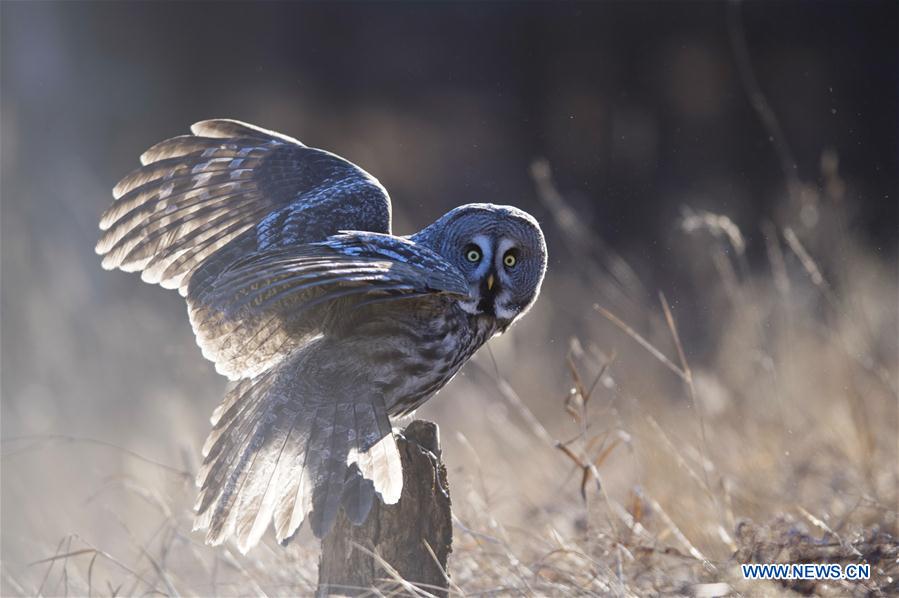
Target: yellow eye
(510,260)
(473,255)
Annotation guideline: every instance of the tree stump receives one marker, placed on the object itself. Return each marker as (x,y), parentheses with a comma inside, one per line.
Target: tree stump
(396,533)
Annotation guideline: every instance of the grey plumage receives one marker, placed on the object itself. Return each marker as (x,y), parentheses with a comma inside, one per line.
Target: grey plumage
(325,321)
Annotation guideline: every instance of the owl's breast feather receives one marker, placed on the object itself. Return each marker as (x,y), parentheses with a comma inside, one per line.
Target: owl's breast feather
(409,358)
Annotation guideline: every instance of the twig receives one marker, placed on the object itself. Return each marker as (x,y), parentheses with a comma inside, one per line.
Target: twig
(811,268)
(394,575)
(94,551)
(694,552)
(690,388)
(820,524)
(757,97)
(513,399)
(446,576)
(580,240)
(641,341)
(52,561)
(677,456)
(42,438)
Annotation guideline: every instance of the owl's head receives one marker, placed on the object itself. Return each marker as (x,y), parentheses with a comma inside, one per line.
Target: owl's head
(501,251)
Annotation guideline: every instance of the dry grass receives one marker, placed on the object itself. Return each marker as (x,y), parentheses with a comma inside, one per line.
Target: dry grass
(780,447)
(664,446)
(648,472)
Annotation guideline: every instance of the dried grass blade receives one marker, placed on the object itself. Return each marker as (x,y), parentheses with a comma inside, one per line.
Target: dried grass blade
(640,341)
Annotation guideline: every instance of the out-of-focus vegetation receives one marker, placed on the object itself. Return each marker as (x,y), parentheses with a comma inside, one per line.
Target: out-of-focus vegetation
(648,471)
(709,377)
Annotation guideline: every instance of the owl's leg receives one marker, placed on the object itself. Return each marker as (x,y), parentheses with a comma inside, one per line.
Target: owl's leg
(358,496)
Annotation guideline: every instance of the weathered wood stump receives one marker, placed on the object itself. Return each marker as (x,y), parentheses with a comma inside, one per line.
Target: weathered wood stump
(396,533)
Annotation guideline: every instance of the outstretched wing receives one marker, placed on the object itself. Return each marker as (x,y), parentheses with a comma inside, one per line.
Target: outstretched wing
(200,201)
(271,302)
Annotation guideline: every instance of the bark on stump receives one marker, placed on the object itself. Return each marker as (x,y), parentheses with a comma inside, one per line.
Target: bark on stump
(397,533)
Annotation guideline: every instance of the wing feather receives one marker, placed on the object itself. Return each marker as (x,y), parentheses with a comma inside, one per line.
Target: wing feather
(224,128)
(246,223)
(195,194)
(209,147)
(282,451)
(279,299)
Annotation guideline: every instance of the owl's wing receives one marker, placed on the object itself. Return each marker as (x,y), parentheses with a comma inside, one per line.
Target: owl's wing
(271,302)
(201,200)
(280,449)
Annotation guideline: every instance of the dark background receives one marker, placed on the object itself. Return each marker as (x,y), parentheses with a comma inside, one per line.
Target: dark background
(638,107)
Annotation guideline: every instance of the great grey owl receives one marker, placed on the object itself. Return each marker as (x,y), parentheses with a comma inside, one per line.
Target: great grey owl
(327,322)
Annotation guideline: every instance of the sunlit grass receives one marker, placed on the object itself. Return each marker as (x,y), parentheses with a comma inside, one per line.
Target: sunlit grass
(657,465)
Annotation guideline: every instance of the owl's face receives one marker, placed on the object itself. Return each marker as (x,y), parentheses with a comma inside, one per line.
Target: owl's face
(501,251)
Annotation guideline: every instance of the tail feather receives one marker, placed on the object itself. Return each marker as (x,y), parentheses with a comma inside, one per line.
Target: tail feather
(233,429)
(222,450)
(279,452)
(296,497)
(256,505)
(375,452)
(221,524)
(329,470)
(313,473)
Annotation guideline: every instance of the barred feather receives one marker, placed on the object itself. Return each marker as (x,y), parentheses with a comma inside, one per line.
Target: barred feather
(293,283)
(271,302)
(195,194)
(279,452)
(225,127)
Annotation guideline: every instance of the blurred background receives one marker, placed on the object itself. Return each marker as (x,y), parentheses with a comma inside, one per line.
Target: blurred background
(741,159)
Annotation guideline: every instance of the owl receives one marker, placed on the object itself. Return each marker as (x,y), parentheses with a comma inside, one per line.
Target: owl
(326,323)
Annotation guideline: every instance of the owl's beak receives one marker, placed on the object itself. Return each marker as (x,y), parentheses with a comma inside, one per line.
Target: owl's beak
(489,287)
